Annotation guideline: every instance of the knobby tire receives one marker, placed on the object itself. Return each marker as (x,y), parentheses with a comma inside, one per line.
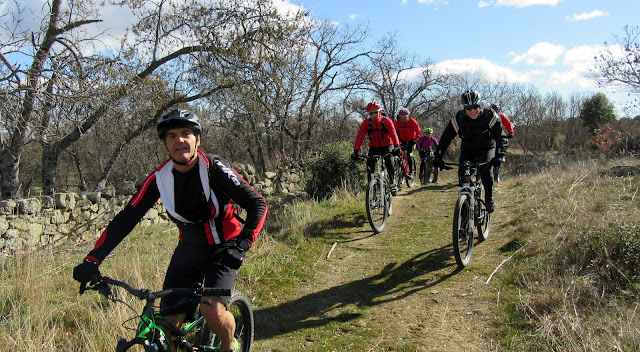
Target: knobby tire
(240,308)
(376,213)
(463,231)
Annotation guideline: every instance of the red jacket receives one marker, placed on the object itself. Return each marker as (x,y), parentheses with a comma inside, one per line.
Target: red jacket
(507,126)
(409,131)
(379,136)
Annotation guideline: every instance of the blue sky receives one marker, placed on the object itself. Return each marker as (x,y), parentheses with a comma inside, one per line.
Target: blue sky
(549,43)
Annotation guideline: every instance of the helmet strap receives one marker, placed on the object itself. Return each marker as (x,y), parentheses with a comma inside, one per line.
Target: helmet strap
(188,162)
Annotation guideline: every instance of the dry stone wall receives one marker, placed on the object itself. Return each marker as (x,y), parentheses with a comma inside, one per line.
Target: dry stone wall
(43,221)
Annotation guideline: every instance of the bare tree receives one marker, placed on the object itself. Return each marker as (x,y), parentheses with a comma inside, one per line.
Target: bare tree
(619,63)
(179,43)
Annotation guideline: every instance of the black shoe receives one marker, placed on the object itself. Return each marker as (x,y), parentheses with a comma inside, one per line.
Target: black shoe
(491,206)
(394,190)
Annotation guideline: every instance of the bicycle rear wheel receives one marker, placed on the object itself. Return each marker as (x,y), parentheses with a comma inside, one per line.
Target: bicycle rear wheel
(240,308)
(463,231)
(376,213)
(483,221)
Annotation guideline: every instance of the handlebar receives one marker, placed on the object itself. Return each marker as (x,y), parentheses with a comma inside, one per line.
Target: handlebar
(448,166)
(102,285)
(372,157)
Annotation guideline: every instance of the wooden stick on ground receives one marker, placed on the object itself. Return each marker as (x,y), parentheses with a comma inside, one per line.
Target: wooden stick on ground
(501,264)
(332,248)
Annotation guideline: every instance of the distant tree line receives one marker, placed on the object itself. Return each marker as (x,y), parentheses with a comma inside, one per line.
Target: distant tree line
(268,87)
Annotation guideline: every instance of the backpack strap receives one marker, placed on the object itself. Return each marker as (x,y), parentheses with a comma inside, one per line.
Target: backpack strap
(384,128)
(454,123)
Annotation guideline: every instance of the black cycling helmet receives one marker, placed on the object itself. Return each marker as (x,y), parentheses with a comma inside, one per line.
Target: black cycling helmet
(470,98)
(178,118)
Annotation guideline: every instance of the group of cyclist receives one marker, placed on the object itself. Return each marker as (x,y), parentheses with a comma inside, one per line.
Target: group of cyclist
(484,132)
(201,193)
(388,138)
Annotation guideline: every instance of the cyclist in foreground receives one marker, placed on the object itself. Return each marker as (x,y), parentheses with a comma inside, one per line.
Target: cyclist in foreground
(408,131)
(480,130)
(198,191)
(382,140)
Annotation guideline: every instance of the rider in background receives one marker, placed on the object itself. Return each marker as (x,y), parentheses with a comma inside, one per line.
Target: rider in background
(408,133)
(198,191)
(426,142)
(383,140)
(507,128)
(480,129)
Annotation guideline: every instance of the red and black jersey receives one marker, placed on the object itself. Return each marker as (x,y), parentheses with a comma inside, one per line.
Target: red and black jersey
(200,202)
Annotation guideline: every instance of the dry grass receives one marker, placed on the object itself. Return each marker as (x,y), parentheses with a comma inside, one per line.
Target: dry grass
(576,286)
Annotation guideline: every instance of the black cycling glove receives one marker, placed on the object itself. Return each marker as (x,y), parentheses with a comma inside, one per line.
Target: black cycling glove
(86,272)
(235,252)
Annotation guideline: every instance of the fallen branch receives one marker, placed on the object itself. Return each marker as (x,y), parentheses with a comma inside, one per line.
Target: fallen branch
(501,264)
(332,248)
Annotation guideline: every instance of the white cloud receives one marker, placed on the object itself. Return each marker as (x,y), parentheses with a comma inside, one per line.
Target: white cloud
(486,68)
(541,54)
(587,16)
(482,4)
(433,2)
(526,3)
(353,16)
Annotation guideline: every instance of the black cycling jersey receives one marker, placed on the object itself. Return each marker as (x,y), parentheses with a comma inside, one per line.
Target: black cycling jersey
(200,202)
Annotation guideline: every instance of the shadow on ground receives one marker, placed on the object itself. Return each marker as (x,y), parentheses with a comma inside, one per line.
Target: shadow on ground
(394,282)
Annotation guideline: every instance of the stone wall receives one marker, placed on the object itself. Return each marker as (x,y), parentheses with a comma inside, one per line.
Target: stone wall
(42,221)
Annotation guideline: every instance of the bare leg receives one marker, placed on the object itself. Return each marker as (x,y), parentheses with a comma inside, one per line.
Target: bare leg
(220,321)
(176,320)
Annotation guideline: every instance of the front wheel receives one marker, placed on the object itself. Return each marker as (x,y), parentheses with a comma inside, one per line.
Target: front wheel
(411,178)
(377,207)
(463,230)
(240,308)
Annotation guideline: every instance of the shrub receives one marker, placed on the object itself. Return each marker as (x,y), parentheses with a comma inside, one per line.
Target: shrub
(332,168)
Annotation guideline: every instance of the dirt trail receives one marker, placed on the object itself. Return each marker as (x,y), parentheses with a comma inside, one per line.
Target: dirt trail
(403,282)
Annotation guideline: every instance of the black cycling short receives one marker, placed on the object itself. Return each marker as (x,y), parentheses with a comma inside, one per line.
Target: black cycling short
(190,264)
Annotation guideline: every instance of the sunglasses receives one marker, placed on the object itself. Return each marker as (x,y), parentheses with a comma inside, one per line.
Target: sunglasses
(471,107)
(373,113)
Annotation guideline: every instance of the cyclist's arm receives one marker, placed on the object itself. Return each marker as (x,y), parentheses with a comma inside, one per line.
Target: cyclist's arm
(498,135)
(122,224)
(362,132)
(448,135)
(237,189)
(392,132)
(416,130)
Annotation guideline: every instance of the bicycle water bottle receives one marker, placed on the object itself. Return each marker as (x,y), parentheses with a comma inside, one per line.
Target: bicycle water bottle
(377,167)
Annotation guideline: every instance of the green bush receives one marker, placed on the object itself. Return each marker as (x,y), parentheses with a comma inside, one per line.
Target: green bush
(333,169)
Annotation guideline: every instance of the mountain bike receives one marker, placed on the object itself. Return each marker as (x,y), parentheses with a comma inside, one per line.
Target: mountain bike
(428,173)
(379,200)
(470,213)
(193,336)
(403,172)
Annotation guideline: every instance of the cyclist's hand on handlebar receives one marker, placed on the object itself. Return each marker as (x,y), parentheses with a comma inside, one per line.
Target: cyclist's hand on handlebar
(86,272)
(355,156)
